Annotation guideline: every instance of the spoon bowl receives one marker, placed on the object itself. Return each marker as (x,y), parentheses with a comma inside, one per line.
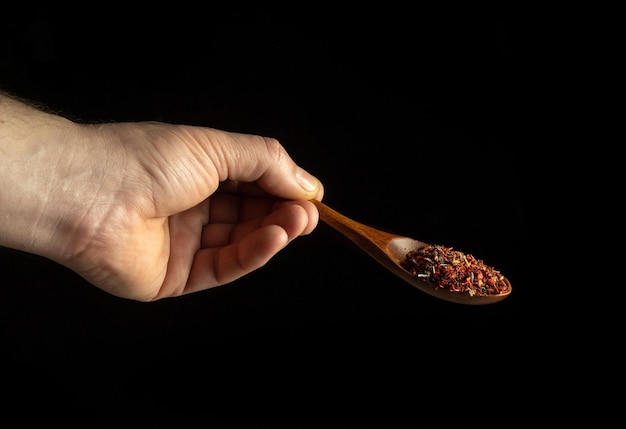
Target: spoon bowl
(390,250)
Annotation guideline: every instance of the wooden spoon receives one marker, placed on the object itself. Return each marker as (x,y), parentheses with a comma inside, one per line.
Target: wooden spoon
(391,249)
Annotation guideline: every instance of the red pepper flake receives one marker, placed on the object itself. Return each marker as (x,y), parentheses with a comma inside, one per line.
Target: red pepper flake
(455,271)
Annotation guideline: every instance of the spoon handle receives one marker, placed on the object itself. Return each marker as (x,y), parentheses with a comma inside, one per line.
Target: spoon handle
(371,240)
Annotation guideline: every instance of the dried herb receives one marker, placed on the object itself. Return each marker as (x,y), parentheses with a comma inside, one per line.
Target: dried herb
(455,271)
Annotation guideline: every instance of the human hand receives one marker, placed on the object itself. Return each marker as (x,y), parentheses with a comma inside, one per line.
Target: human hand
(151,210)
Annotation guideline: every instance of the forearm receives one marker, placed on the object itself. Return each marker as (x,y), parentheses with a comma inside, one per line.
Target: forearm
(29,158)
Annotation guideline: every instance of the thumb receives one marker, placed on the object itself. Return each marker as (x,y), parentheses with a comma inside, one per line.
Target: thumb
(251,158)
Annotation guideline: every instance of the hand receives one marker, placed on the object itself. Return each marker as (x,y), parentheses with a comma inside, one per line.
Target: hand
(150,210)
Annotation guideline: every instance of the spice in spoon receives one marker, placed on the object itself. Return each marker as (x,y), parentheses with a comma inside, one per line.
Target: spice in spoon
(455,271)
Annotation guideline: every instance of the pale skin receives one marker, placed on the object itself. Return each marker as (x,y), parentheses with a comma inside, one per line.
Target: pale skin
(148,210)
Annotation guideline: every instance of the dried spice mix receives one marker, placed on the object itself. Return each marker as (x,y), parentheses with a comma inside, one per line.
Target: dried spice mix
(455,271)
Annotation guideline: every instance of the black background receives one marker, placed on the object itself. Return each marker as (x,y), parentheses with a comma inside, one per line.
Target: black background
(415,121)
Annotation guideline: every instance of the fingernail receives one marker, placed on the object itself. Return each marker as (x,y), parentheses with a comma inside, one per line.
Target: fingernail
(306,180)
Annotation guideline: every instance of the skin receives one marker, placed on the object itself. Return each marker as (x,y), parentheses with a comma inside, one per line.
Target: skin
(148,210)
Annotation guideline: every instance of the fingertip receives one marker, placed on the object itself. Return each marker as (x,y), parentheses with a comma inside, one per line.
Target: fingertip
(320,193)
(311,184)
